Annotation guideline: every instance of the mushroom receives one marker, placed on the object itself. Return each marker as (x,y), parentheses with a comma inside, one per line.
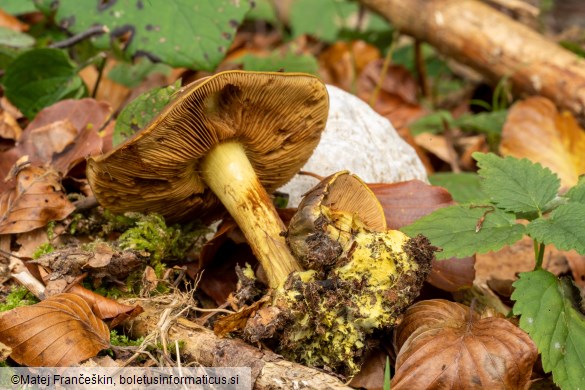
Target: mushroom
(226,139)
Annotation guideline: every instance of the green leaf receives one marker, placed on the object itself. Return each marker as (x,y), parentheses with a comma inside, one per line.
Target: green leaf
(38,78)
(289,62)
(329,19)
(490,123)
(577,193)
(18,7)
(131,75)
(454,228)
(548,313)
(463,187)
(433,123)
(13,38)
(519,186)
(182,33)
(140,111)
(263,10)
(564,228)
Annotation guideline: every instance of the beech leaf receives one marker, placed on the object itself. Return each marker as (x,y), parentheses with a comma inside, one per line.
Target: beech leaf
(37,199)
(547,310)
(59,331)
(536,130)
(444,345)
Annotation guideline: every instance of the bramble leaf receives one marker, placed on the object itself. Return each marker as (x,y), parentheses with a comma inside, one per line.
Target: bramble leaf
(546,306)
(577,193)
(180,33)
(454,229)
(516,185)
(564,228)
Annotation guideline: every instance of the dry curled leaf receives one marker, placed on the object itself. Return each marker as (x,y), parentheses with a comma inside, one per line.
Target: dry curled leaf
(444,345)
(62,135)
(106,308)
(37,199)
(342,62)
(9,127)
(59,331)
(535,130)
(404,203)
(101,262)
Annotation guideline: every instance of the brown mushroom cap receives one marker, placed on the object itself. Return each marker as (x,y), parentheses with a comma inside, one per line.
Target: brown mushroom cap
(277,117)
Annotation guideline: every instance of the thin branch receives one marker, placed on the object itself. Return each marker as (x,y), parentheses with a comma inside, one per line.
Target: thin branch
(90,32)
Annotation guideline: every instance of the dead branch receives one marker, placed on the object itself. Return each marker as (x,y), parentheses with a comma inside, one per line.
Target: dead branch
(269,370)
(493,44)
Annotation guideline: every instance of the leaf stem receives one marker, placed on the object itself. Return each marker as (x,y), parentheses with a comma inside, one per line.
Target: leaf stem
(539,254)
(90,32)
(385,65)
(100,68)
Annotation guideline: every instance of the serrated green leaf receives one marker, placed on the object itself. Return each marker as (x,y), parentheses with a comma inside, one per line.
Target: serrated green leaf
(577,193)
(547,310)
(140,111)
(289,62)
(38,78)
(11,38)
(490,123)
(182,33)
(519,186)
(454,228)
(463,187)
(564,228)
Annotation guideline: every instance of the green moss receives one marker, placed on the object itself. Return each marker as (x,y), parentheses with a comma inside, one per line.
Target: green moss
(121,340)
(150,233)
(43,249)
(19,296)
(51,230)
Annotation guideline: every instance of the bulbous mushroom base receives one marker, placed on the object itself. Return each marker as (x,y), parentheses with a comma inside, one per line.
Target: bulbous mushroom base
(324,319)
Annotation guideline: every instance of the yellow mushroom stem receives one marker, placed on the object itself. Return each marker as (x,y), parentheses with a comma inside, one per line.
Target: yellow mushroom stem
(229,174)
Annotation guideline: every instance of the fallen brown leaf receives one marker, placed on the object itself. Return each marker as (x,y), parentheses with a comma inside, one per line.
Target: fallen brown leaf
(102,262)
(404,203)
(37,199)
(535,130)
(63,135)
(446,345)
(238,320)
(11,22)
(9,128)
(343,62)
(106,308)
(396,81)
(59,331)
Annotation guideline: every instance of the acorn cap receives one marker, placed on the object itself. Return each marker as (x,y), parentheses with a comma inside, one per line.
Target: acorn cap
(277,118)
